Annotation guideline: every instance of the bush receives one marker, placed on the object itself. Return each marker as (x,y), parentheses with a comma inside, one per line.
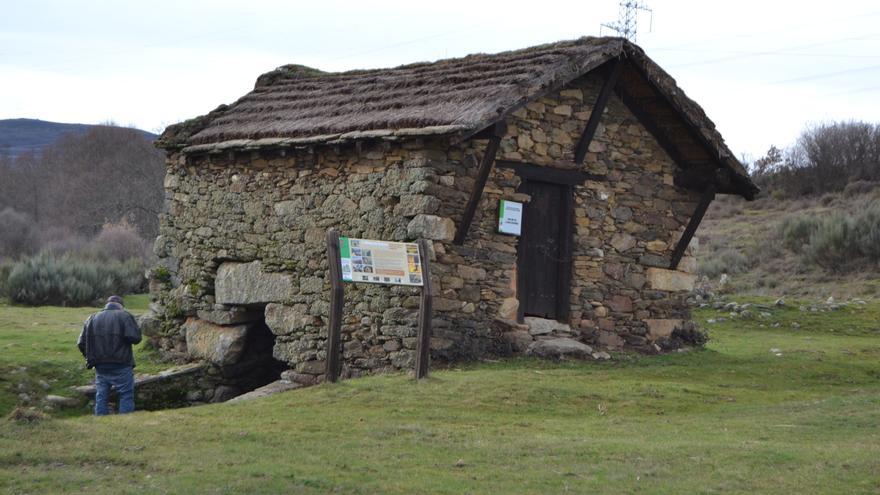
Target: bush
(70,280)
(120,242)
(796,231)
(727,260)
(832,244)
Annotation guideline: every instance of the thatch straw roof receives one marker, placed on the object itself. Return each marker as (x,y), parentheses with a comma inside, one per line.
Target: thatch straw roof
(295,105)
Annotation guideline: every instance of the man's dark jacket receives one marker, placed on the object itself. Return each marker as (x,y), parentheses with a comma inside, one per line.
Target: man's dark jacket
(107,337)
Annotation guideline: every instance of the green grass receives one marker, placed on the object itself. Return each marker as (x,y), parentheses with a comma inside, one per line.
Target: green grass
(38,353)
(733,418)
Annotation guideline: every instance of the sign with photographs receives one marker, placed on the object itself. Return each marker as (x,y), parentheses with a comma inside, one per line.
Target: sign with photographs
(380,262)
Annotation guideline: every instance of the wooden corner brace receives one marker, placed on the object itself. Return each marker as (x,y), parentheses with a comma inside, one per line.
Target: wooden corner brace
(500,128)
(596,114)
(696,218)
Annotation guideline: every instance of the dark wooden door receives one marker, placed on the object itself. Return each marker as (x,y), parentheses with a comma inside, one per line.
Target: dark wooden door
(544,254)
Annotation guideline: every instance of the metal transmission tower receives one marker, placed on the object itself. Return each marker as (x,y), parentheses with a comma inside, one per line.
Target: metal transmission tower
(628,19)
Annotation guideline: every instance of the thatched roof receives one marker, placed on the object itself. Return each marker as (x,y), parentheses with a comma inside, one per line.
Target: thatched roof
(297,106)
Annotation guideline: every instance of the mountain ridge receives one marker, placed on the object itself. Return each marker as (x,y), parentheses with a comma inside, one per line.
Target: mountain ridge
(23,135)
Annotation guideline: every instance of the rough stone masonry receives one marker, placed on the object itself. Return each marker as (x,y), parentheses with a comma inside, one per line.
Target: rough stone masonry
(242,241)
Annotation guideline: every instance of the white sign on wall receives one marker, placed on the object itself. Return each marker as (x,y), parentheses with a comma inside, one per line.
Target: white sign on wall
(380,262)
(510,217)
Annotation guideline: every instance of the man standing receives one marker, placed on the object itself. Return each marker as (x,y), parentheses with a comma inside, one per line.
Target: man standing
(105,342)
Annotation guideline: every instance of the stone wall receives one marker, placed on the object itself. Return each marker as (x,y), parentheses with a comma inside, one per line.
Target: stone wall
(243,236)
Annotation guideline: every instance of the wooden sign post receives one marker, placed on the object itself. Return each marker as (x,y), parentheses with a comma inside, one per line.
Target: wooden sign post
(381,262)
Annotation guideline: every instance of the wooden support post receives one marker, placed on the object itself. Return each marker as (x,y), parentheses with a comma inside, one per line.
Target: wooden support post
(337,298)
(482,176)
(691,228)
(598,108)
(426,314)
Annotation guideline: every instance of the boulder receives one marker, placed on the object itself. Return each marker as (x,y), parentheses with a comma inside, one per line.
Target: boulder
(247,283)
(221,345)
(560,349)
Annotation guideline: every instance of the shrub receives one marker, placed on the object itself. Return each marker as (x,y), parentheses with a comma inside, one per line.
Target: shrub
(866,232)
(833,243)
(726,260)
(71,280)
(795,231)
(120,242)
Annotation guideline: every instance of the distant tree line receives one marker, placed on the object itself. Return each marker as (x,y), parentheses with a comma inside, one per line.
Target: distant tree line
(77,219)
(84,181)
(825,158)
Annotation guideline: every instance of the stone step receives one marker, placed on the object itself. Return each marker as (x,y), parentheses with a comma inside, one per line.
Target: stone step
(273,388)
(543,326)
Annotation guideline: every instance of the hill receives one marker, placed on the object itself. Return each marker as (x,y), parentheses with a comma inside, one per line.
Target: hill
(764,245)
(18,136)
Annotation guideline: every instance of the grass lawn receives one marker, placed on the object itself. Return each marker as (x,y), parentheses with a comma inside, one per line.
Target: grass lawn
(733,418)
(38,353)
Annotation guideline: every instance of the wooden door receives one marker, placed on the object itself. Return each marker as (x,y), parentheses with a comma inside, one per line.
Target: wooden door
(544,253)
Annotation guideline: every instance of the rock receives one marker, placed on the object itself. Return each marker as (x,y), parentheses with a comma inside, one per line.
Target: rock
(543,326)
(232,316)
(780,302)
(509,308)
(273,388)
(654,260)
(659,328)
(57,400)
(561,348)
(301,378)
(623,242)
(221,345)
(247,283)
(830,300)
(285,320)
(519,340)
(312,367)
(431,227)
(621,304)
(471,273)
(601,356)
(149,323)
(670,280)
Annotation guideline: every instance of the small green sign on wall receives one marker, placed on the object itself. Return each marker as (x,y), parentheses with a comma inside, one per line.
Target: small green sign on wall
(510,217)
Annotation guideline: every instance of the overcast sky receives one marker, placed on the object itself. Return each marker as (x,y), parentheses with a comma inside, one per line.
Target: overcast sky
(762,70)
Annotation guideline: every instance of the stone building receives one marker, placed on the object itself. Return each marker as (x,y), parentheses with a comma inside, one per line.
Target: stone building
(613,163)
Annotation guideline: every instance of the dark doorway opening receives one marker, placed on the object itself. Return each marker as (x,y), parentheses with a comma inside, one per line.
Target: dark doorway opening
(545,250)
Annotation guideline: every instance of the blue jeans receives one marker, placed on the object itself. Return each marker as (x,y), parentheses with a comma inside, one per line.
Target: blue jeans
(120,377)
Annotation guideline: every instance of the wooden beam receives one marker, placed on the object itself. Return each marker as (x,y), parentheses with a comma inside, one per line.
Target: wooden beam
(482,176)
(566,227)
(596,114)
(337,298)
(426,314)
(550,174)
(691,228)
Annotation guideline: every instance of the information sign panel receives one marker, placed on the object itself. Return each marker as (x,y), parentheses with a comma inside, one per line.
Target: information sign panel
(380,262)
(510,217)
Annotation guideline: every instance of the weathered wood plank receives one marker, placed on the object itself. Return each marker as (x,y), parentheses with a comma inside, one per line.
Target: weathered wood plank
(598,108)
(549,174)
(426,314)
(337,298)
(691,228)
(482,176)
(566,225)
